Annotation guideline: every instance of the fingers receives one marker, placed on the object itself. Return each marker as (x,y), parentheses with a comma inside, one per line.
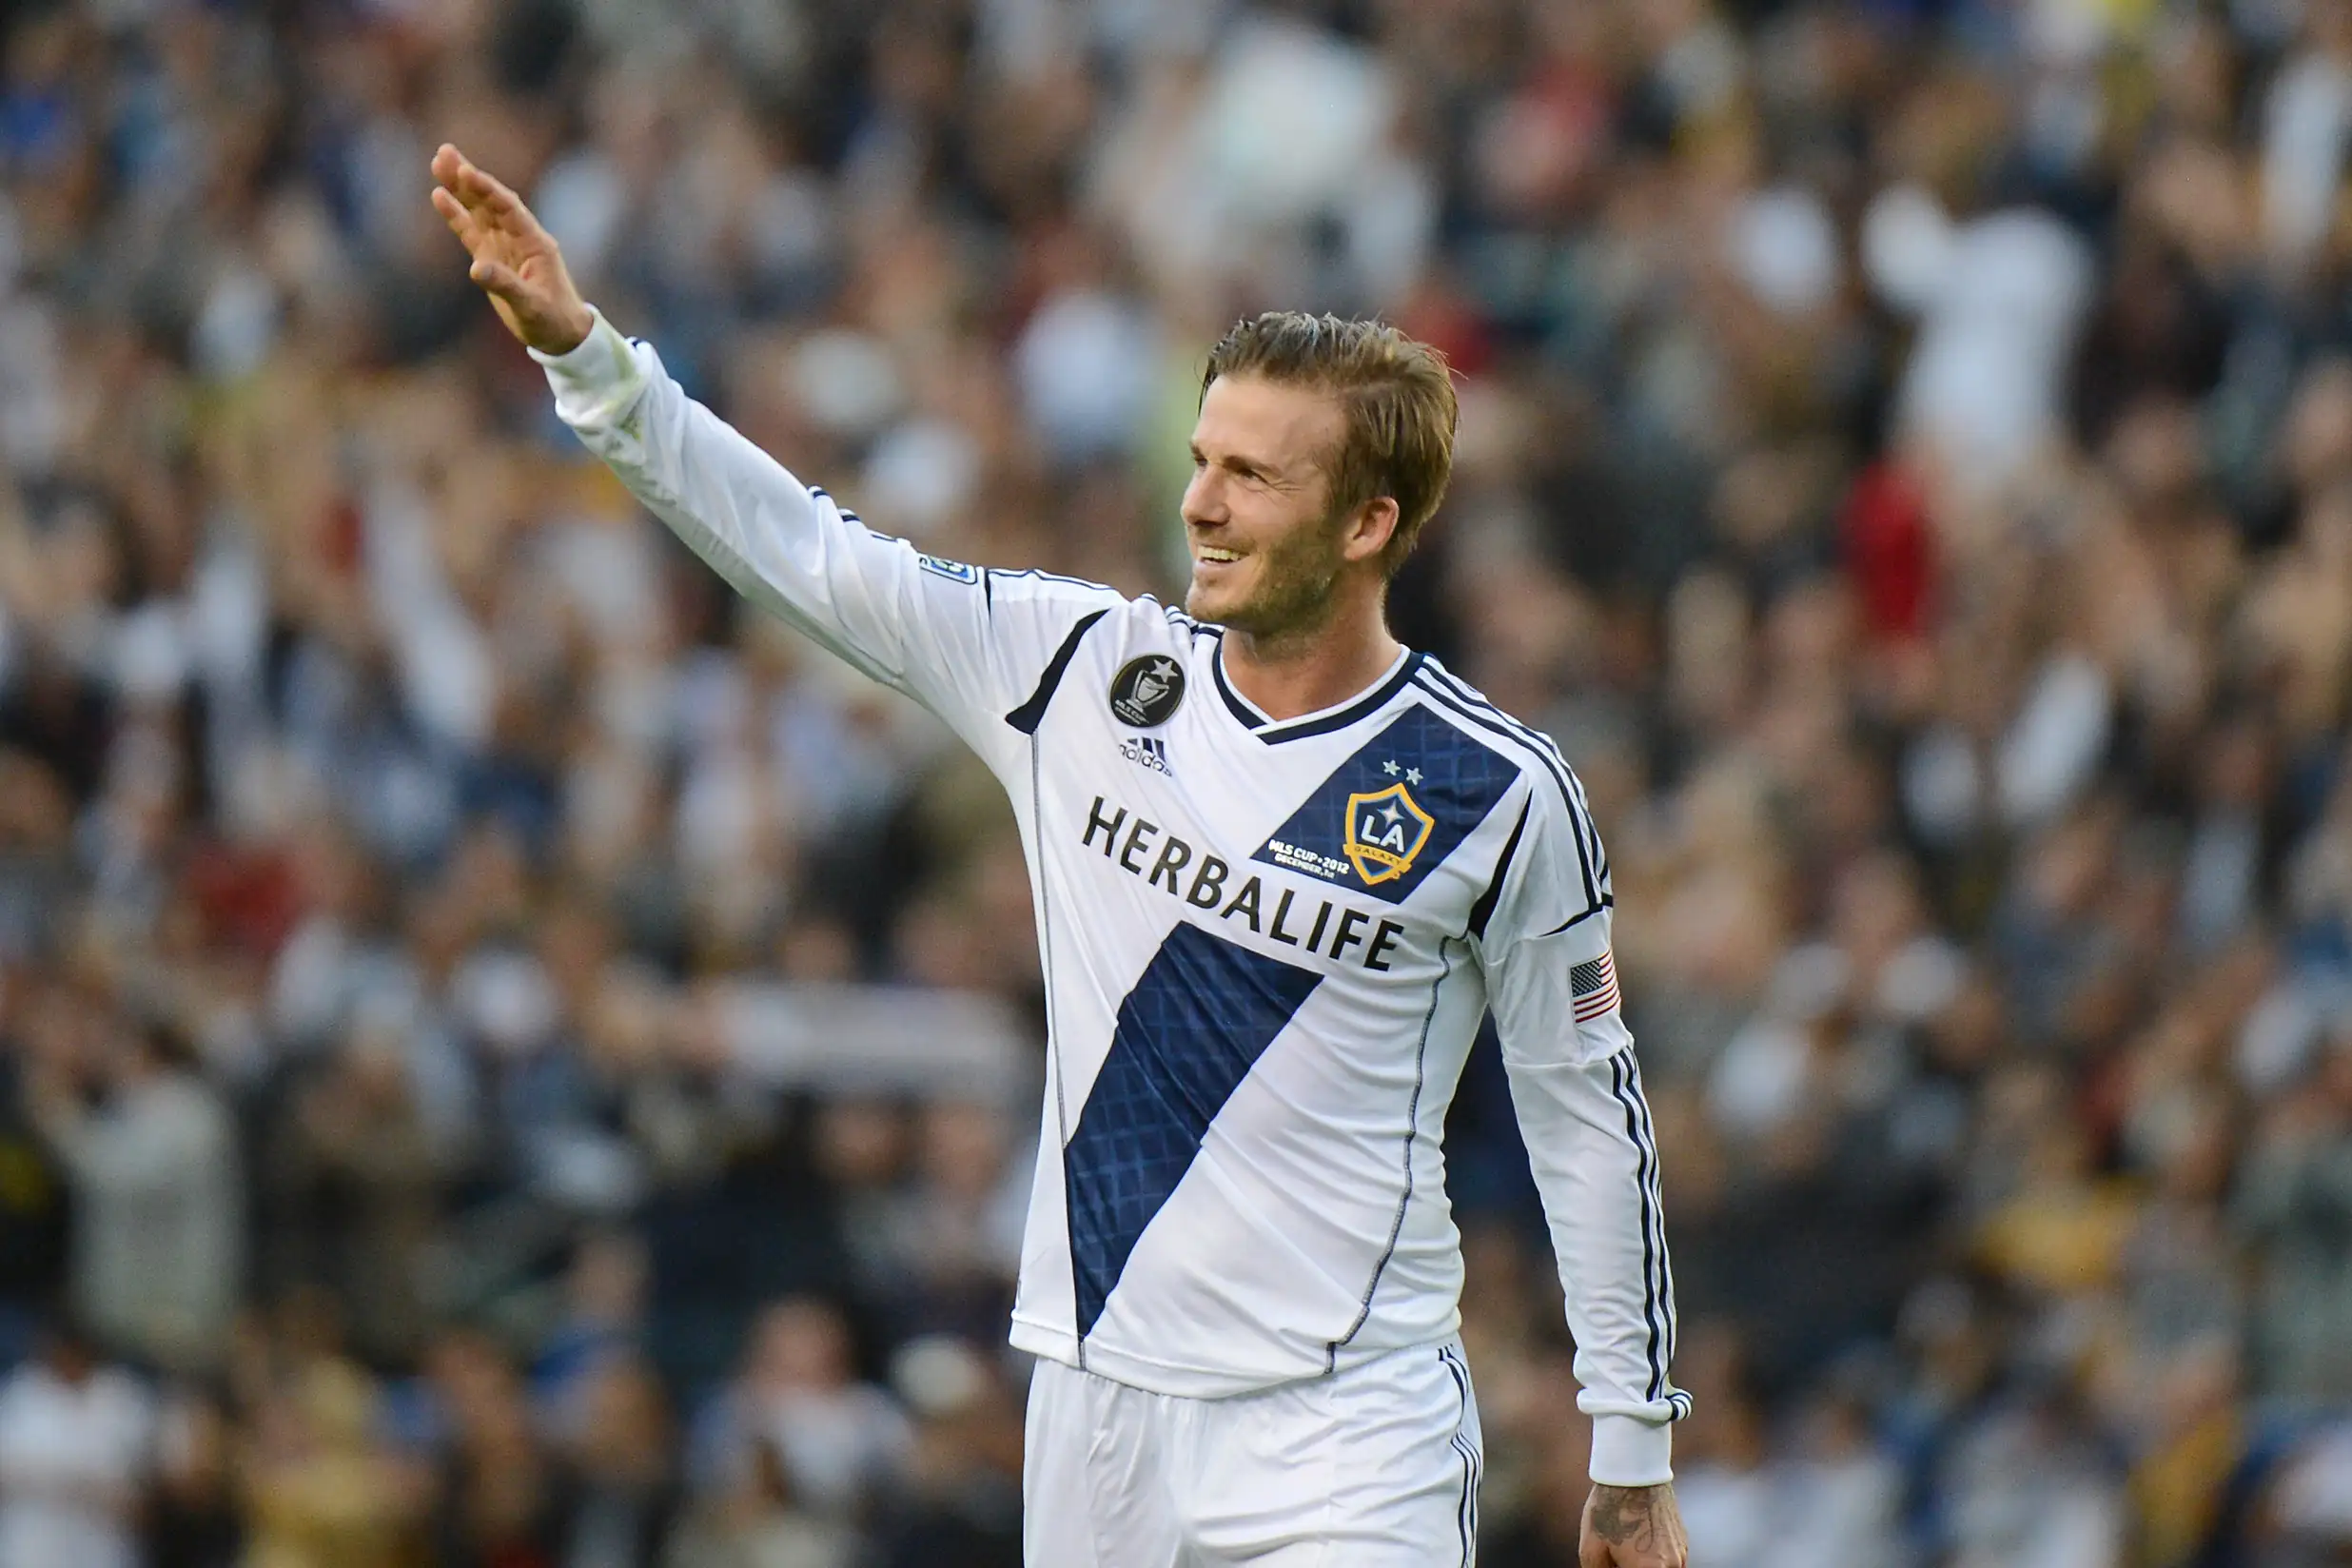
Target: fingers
(475,189)
(449,166)
(485,192)
(460,222)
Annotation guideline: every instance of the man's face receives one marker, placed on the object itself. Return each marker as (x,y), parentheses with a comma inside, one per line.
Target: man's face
(1266,552)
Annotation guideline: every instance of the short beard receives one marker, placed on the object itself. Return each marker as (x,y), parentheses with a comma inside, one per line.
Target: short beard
(1295,584)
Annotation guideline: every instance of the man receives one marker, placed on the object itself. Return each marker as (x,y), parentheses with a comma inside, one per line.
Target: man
(159,1236)
(1281,867)
(76,1442)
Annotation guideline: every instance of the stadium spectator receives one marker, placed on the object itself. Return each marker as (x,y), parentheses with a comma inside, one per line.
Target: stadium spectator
(76,1450)
(150,1147)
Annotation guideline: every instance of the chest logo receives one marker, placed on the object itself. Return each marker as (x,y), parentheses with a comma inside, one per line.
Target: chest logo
(1147,690)
(1386,830)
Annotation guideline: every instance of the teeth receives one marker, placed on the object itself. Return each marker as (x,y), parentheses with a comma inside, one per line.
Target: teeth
(1220,554)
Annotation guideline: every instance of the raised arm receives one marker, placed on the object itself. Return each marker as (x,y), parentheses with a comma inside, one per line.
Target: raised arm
(1576,1087)
(967,644)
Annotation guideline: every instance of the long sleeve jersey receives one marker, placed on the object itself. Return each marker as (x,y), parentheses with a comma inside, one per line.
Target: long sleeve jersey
(1268,945)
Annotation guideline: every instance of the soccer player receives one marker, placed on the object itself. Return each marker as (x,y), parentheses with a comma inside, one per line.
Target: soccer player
(1282,865)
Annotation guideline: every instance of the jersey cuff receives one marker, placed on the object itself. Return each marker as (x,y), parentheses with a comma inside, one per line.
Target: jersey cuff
(1628,1451)
(597,379)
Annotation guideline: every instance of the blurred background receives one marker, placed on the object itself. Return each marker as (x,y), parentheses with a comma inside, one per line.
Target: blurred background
(508,1060)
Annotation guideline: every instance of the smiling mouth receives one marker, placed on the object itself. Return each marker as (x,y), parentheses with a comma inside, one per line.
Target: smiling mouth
(1220,557)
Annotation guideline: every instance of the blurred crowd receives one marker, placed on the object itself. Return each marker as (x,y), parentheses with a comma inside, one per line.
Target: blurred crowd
(445,943)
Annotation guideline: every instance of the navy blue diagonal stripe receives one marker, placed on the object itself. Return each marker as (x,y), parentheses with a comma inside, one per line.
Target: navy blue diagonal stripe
(1197,1021)
(1446,773)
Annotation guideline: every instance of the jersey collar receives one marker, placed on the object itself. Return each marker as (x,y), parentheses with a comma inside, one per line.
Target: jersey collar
(1323,722)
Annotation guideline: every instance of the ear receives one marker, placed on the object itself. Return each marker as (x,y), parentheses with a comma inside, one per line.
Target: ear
(1370,529)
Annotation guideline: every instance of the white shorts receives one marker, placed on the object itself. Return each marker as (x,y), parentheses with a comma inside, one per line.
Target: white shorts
(1376,1467)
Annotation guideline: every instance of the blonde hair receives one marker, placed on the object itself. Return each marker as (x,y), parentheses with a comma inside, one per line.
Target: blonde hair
(1395,394)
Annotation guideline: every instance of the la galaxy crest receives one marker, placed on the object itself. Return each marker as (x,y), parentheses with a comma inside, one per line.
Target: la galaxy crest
(1147,690)
(1386,830)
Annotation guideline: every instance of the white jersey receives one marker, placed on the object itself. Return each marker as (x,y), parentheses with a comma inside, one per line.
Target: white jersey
(1267,947)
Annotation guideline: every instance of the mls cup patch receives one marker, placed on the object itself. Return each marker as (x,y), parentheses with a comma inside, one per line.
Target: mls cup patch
(1147,690)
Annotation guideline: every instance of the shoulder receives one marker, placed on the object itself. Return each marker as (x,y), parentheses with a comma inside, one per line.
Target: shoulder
(1029,585)
(1142,624)
(1141,618)
(1149,620)
(1184,628)
(1075,627)
(1553,849)
(1553,789)
(1050,596)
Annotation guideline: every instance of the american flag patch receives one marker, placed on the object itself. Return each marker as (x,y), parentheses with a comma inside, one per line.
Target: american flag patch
(1594,987)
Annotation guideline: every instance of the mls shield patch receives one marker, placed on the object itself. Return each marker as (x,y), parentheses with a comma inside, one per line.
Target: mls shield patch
(1387,832)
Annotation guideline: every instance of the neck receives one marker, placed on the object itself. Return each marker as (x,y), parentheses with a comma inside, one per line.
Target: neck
(1306,669)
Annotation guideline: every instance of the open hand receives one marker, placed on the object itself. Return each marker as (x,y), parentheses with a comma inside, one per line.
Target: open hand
(516,261)
(1632,1527)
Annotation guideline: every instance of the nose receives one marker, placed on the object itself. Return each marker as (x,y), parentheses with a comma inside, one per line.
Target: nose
(1205,502)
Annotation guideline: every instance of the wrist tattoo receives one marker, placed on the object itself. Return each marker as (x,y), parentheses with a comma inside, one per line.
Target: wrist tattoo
(1622,1515)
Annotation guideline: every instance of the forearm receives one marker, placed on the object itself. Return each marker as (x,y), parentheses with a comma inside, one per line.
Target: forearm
(1589,1140)
(784,545)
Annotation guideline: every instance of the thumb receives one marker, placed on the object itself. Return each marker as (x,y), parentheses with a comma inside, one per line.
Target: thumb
(496,277)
